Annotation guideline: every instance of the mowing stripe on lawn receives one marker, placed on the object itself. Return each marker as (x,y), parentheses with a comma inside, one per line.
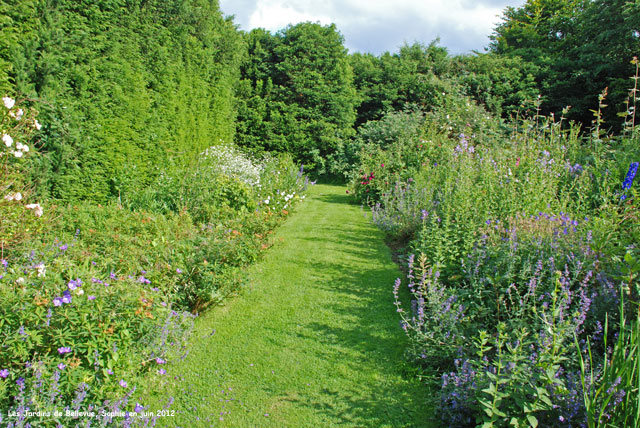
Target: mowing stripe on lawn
(314,341)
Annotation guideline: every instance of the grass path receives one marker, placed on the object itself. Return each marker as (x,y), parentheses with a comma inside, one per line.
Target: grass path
(313,342)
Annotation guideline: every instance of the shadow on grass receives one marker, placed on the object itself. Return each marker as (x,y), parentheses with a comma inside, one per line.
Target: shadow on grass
(363,329)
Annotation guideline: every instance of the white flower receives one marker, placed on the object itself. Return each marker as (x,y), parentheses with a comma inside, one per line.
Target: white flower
(7,140)
(20,281)
(13,196)
(22,147)
(19,114)
(18,154)
(41,268)
(37,209)
(79,291)
(37,125)
(8,102)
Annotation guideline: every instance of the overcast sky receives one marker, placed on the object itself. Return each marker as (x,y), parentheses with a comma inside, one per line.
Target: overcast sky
(381,25)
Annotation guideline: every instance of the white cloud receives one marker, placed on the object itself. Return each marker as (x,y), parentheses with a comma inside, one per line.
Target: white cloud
(379,25)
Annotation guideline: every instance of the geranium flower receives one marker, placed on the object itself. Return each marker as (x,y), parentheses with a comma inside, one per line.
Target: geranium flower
(7,140)
(8,102)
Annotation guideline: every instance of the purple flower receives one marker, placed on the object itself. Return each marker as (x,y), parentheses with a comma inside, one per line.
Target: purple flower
(64,247)
(61,366)
(123,383)
(628,180)
(20,381)
(4,263)
(178,270)
(66,296)
(74,284)
(138,408)
(109,371)
(160,361)
(91,297)
(162,372)
(57,301)
(64,350)
(112,275)
(4,373)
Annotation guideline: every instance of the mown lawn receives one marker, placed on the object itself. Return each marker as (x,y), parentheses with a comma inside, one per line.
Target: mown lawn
(312,342)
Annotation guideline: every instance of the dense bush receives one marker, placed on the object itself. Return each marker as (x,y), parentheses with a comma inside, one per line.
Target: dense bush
(114,97)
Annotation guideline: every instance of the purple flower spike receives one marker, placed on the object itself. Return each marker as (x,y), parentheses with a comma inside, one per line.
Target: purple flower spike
(628,180)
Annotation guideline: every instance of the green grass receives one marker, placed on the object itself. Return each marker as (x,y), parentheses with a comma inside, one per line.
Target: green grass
(314,341)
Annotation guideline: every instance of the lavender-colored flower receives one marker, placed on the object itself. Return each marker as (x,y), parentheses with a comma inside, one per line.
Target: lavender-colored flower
(162,372)
(4,373)
(4,263)
(123,383)
(178,270)
(160,361)
(57,301)
(64,350)
(91,297)
(138,408)
(61,366)
(66,296)
(73,284)
(64,247)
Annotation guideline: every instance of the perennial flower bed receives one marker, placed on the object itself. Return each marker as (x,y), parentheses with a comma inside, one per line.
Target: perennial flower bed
(96,300)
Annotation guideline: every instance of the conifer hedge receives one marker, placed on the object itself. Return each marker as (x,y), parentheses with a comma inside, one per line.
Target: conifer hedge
(125,88)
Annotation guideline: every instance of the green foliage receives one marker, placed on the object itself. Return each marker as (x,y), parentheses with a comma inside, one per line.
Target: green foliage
(575,48)
(416,76)
(117,98)
(502,84)
(296,93)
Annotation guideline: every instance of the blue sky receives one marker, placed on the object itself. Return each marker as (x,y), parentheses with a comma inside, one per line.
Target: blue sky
(381,25)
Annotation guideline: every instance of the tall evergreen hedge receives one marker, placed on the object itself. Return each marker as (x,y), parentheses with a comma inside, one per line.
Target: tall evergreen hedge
(125,88)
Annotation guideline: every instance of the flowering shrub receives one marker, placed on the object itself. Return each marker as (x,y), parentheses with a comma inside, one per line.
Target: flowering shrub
(19,216)
(230,161)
